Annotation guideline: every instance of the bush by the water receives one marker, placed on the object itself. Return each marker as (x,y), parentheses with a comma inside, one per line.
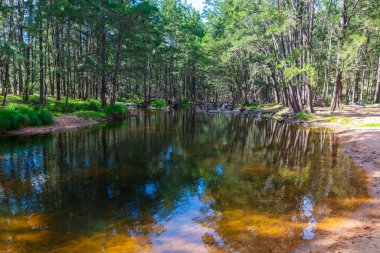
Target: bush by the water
(89,105)
(13,117)
(185,102)
(115,110)
(90,115)
(159,103)
(130,100)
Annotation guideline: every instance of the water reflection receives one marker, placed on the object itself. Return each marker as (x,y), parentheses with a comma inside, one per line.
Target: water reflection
(169,181)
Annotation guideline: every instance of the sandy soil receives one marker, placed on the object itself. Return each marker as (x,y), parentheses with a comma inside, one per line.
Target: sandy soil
(61,124)
(361,232)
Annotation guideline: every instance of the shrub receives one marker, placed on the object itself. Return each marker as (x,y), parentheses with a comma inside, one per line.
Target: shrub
(185,102)
(130,100)
(124,100)
(90,105)
(159,103)
(45,117)
(66,108)
(115,110)
(90,115)
(13,117)
(9,120)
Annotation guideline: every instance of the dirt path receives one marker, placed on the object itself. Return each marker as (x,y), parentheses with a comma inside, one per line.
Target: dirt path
(61,124)
(361,232)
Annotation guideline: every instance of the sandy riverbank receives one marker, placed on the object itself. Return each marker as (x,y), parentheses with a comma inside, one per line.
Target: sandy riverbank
(361,232)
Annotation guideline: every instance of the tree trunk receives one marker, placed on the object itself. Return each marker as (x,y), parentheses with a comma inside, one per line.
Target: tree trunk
(377,91)
(41,68)
(103,90)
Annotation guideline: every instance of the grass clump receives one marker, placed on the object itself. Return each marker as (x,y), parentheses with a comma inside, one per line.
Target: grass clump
(159,103)
(90,115)
(304,116)
(130,100)
(74,106)
(340,120)
(115,110)
(371,125)
(247,104)
(13,117)
(185,102)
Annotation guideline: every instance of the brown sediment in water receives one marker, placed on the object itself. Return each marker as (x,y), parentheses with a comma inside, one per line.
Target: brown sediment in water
(259,202)
(360,231)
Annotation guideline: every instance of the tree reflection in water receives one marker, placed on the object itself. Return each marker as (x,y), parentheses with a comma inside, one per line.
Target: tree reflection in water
(169,181)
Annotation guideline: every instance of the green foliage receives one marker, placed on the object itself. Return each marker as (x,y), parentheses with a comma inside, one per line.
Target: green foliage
(90,115)
(304,116)
(185,102)
(45,116)
(13,117)
(159,103)
(115,111)
(252,105)
(74,106)
(130,100)
(90,105)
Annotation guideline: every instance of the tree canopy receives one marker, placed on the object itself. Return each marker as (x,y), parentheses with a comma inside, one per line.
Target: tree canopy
(287,51)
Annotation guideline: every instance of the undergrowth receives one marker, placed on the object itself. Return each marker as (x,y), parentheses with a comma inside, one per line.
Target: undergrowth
(13,117)
(340,120)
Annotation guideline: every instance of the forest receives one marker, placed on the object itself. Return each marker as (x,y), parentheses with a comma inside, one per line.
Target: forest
(189,126)
(295,52)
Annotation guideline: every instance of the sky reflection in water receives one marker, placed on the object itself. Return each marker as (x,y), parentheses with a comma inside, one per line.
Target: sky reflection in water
(174,182)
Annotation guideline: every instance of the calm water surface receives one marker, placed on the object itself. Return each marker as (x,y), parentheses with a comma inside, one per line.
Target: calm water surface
(174,182)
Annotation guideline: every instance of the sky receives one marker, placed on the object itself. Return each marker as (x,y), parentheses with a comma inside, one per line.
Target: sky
(197,4)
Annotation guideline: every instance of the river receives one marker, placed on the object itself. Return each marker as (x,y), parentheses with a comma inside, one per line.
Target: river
(174,182)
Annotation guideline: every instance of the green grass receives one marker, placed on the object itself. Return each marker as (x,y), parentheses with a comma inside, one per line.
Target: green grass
(304,116)
(115,110)
(185,102)
(250,105)
(13,117)
(130,100)
(371,125)
(91,115)
(159,103)
(340,120)
(74,106)
(17,113)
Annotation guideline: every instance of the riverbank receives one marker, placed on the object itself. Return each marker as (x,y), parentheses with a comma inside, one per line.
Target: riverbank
(61,124)
(358,129)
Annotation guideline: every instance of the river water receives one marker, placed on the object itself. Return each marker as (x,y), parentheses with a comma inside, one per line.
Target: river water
(174,182)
